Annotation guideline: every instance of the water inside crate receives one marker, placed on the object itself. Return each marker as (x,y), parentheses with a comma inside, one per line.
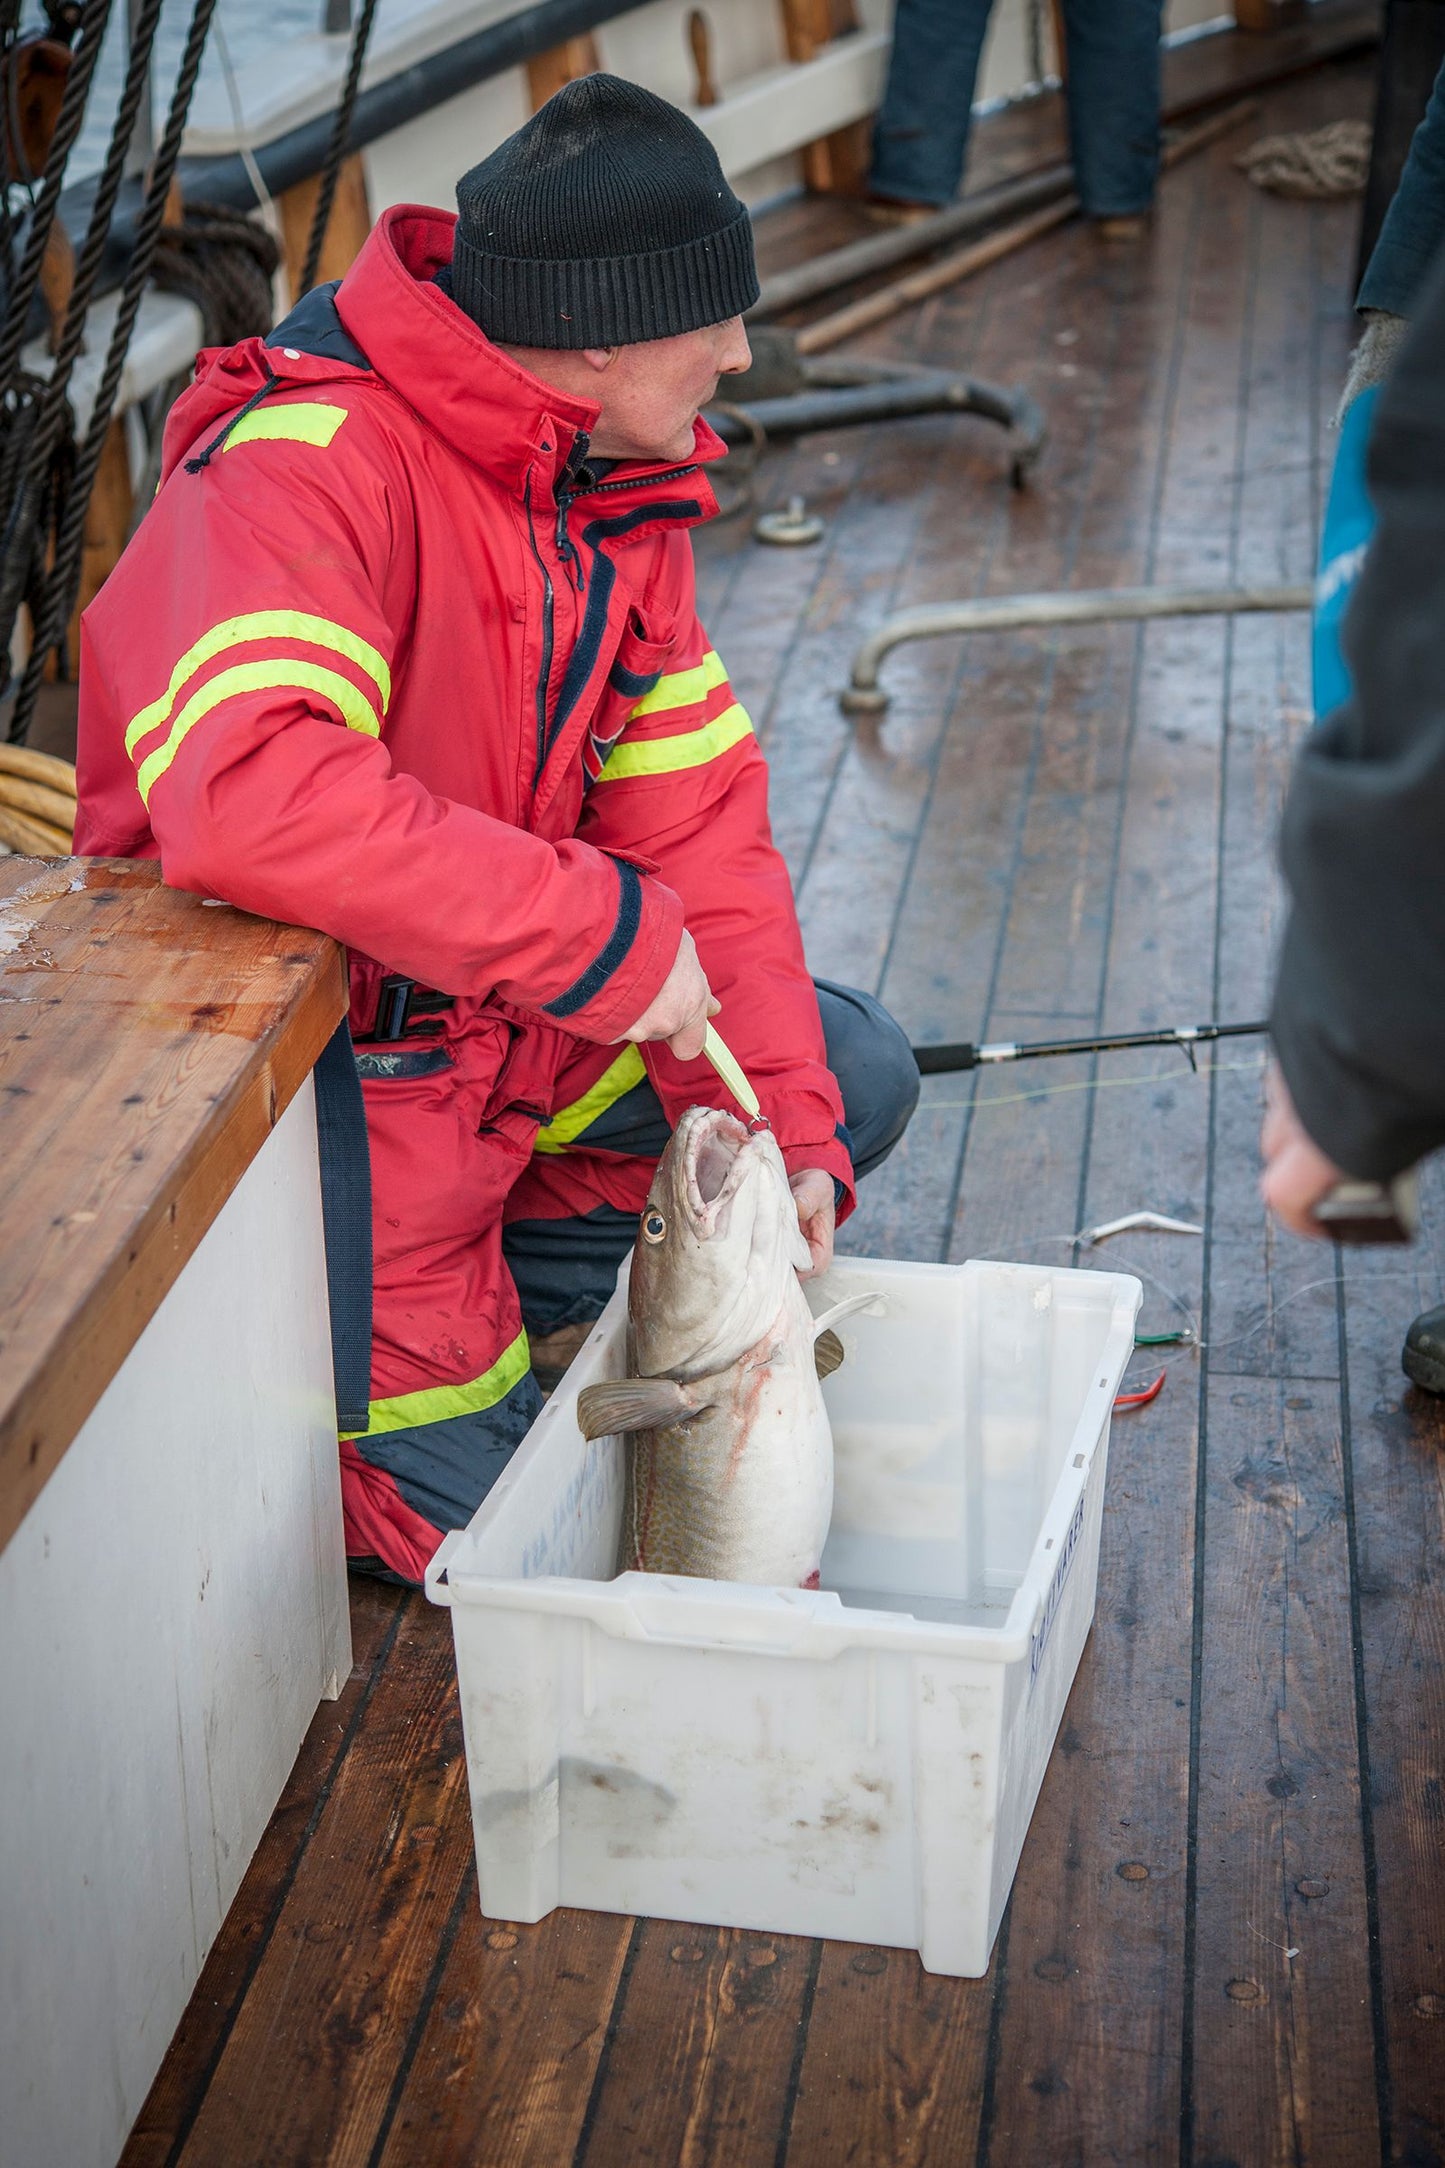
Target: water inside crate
(989,1607)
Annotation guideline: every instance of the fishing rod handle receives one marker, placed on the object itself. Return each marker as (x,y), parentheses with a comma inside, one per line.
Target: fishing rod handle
(1361,1212)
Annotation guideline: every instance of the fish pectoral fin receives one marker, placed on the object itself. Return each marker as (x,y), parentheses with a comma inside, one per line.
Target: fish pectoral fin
(827,1354)
(606,1411)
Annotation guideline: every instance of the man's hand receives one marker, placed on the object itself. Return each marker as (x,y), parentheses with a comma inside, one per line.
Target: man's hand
(812,1189)
(1296,1172)
(679,1010)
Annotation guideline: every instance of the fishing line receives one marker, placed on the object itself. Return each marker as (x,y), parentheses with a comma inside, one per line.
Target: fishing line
(1116,1257)
(1179,1303)
(1089,1084)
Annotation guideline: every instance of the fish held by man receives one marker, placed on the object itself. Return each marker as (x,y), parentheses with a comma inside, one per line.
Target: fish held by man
(729,1448)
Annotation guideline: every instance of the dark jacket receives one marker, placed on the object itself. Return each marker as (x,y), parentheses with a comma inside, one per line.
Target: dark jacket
(1414,225)
(1359,1010)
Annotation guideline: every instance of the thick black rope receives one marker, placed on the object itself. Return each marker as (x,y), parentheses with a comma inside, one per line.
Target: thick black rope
(65,578)
(67,128)
(19,412)
(336,148)
(23,506)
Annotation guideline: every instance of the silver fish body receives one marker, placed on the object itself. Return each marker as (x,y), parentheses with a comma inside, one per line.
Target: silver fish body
(729,1449)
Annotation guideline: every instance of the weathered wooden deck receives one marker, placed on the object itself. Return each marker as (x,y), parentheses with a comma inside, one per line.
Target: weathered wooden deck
(1226,1943)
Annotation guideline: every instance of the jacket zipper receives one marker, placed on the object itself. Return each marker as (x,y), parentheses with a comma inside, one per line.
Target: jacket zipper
(565,497)
(571,557)
(547,599)
(643,481)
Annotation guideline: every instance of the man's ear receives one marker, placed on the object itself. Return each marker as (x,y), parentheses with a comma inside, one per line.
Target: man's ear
(599,357)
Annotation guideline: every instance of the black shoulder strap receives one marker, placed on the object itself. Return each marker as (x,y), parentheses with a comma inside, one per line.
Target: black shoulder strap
(346,1214)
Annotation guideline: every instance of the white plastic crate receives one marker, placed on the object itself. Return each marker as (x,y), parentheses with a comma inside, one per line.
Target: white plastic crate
(857,1761)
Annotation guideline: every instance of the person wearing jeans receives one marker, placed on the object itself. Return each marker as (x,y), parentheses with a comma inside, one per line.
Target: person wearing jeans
(1112,89)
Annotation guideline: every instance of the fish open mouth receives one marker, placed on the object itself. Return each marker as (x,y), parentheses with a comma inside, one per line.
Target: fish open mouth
(716,1151)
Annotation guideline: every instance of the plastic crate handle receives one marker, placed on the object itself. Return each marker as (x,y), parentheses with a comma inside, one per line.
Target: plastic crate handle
(434,1580)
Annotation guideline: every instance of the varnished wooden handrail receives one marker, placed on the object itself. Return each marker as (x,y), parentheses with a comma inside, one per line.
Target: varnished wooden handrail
(148,1046)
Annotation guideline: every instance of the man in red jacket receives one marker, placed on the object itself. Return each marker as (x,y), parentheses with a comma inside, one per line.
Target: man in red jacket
(406,649)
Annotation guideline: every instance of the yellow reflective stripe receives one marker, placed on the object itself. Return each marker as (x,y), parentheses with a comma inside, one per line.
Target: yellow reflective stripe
(683,688)
(262,625)
(627,1070)
(440,1403)
(305,421)
(286,674)
(689,749)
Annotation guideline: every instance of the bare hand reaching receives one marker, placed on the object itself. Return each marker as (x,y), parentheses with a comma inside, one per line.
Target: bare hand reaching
(1296,1172)
(812,1189)
(679,1010)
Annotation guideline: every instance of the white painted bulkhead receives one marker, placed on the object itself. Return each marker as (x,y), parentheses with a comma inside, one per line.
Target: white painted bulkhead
(172,1609)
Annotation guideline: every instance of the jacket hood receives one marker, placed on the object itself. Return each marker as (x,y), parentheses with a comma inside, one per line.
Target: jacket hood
(480,402)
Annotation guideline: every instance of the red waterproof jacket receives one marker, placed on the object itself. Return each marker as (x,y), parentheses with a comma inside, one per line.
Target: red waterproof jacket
(383,664)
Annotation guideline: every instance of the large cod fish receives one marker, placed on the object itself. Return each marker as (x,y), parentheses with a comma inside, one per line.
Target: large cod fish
(729,1450)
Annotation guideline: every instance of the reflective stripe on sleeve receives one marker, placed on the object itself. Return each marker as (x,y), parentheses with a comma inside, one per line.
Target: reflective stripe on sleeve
(285,674)
(683,688)
(568,1124)
(440,1403)
(687,749)
(304,421)
(262,625)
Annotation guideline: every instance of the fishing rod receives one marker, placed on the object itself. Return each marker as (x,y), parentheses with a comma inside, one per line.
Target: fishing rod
(962,1054)
(1353,1211)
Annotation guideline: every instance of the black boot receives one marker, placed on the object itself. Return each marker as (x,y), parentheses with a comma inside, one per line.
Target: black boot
(1423,1356)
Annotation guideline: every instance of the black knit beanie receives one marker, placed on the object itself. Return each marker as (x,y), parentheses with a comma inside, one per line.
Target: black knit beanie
(605,221)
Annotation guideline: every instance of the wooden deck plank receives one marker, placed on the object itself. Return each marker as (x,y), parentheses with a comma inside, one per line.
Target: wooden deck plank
(308,2068)
(699,2062)
(1283,2054)
(879,785)
(505,2060)
(894,2068)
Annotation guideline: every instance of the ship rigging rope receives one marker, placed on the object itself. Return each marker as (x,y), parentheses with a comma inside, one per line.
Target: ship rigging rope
(25,500)
(68,121)
(336,148)
(64,578)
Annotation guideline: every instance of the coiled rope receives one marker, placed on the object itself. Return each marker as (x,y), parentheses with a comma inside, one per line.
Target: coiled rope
(224,262)
(1333,161)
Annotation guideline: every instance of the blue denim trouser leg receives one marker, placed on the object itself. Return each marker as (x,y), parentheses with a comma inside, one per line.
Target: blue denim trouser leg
(1112,90)
(921,135)
(565,1269)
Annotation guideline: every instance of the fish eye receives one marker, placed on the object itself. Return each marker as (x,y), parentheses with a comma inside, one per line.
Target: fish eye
(654,1226)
